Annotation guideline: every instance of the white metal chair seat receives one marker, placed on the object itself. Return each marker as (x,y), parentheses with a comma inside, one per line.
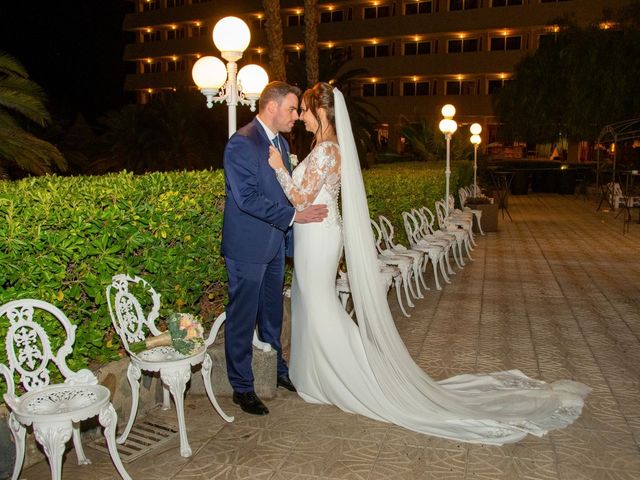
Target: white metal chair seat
(419,257)
(425,233)
(403,263)
(78,402)
(390,275)
(158,355)
(459,236)
(131,324)
(477,214)
(463,219)
(463,193)
(435,251)
(54,410)
(461,228)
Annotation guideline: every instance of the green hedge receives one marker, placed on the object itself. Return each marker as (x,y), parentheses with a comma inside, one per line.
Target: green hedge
(62,239)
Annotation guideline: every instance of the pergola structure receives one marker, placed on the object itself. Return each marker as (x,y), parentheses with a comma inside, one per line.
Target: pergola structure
(615,133)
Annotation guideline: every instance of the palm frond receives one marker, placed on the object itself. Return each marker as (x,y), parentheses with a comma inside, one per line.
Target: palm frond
(9,65)
(24,97)
(29,152)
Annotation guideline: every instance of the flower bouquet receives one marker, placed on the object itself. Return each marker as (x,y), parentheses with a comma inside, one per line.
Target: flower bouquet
(184,334)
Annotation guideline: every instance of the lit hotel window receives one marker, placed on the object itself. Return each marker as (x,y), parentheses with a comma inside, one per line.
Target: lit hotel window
(417,48)
(375,89)
(332,16)
(494,85)
(370,51)
(149,5)
(463,46)
(412,89)
(506,43)
(461,87)
(505,3)
(295,20)
(463,5)
(377,12)
(415,8)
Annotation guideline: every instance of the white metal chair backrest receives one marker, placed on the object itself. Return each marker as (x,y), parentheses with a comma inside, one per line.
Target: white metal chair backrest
(127,315)
(462,193)
(428,219)
(387,231)
(411,227)
(28,347)
(423,223)
(441,213)
(377,235)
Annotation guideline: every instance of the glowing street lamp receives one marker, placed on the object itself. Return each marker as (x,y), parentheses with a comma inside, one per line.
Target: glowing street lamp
(448,126)
(219,83)
(475,130)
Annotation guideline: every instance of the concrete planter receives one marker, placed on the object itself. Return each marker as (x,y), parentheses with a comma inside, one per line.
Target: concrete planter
(489,219)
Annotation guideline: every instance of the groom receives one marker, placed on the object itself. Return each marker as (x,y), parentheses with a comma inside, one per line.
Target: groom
(255,234)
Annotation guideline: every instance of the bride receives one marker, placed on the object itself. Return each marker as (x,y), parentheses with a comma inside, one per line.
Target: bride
(366,368)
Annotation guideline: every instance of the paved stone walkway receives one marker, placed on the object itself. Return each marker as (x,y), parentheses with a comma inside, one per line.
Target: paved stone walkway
(555,293)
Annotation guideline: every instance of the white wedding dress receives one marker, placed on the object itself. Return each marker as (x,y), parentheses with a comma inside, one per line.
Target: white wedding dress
(365,368)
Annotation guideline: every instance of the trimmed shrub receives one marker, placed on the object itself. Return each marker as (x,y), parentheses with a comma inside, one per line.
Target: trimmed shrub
(62,239)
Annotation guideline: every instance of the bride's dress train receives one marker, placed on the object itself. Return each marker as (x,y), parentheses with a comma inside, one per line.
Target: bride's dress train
(365,368)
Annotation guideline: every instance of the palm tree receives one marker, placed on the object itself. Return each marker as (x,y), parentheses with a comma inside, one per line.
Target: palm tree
(21,99)
(427,142)
(311,20)
(274,39)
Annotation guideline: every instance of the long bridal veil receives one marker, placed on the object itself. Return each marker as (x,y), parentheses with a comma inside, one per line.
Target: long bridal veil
(495,408)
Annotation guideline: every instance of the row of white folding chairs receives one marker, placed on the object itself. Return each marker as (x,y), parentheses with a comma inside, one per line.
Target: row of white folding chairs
(404,267)
(470,191)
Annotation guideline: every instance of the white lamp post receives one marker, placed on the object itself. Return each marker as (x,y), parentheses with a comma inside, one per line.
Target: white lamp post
(475,140)
(448,126)
(219,83)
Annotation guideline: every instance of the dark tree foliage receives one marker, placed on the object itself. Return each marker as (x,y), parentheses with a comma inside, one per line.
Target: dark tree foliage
(578,81)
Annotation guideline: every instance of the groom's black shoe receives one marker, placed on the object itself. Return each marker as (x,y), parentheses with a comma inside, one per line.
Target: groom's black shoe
(250,403)
(285,382)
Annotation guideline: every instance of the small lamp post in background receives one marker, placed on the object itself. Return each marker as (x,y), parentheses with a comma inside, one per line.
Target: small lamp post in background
(475,140)
(219,83)
(448,126)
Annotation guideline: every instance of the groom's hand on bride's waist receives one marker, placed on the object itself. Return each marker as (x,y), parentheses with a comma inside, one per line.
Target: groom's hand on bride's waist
(313,213)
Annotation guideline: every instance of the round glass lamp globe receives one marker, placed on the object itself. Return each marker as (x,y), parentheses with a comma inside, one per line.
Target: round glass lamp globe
(448,111)
(231,34)
(448,126)
(209,72)
(475,129)
(475,139)
(253,79)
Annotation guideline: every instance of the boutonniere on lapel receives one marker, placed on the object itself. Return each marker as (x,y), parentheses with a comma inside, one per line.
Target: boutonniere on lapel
(293,160)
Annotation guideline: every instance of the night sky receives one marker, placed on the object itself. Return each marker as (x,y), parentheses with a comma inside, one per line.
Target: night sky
(73,49)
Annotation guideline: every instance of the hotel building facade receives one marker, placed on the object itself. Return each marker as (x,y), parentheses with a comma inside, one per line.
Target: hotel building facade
(419,54)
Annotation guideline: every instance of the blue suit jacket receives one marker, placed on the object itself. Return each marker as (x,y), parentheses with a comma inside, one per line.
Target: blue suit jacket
(257,213)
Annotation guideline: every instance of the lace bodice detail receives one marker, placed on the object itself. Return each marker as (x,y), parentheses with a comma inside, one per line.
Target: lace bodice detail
(316,180)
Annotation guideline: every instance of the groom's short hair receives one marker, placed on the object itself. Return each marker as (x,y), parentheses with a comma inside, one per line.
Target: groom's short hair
(276,91)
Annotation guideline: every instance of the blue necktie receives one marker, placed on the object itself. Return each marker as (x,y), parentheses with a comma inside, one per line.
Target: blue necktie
(277,144)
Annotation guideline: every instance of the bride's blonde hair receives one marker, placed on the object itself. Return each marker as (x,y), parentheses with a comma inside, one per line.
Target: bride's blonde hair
(320,96)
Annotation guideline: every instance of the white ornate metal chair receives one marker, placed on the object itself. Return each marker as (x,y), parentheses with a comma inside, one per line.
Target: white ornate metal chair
(390,275)
(463,218)
(434,249)
(459,227)
(424,232)
(404,264)
(132,325)
(54,410)
(477,213)
(458,236)
(420,257)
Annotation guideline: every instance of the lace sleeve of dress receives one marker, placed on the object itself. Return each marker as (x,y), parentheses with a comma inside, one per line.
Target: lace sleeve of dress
(322,161)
